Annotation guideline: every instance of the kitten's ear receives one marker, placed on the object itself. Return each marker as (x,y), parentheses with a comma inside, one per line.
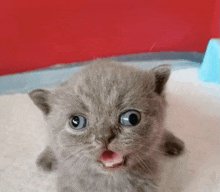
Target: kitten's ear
(162,73)
(40,97)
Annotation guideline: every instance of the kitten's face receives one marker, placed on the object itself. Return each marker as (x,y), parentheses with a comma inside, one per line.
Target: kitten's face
(107,107)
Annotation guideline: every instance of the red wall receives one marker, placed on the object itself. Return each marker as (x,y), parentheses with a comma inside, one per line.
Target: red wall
(35,34)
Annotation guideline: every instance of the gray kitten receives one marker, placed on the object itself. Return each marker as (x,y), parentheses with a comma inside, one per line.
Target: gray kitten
(106,128)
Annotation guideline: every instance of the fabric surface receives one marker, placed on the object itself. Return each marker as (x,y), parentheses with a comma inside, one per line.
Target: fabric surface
(193,115)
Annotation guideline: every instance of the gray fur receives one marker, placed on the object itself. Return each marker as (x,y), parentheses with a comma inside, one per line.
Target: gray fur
(101,92)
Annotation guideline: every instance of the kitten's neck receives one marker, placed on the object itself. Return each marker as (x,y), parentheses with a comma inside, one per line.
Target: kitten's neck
(93,174)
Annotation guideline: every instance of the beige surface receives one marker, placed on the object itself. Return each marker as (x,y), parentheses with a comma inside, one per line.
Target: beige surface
(193,115)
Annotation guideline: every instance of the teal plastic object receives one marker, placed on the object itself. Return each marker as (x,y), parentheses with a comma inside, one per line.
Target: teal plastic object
(209,70)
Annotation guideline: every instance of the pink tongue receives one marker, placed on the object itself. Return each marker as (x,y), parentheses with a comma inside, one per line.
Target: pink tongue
(111,159)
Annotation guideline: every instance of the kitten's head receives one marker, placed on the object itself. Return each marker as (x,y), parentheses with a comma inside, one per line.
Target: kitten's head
(108,112)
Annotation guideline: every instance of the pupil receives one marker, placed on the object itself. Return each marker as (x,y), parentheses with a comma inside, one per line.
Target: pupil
(75,121)
(133,119)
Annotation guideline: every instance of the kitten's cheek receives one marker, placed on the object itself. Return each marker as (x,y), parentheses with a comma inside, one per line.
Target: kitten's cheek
(61,139)
(65,139)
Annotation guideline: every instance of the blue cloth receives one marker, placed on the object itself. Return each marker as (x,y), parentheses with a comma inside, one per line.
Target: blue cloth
(209,70)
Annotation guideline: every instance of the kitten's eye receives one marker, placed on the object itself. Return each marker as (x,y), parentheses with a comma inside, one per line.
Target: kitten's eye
(77,122)
(130,118)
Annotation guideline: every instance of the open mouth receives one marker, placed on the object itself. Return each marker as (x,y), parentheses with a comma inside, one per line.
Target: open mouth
(111,159)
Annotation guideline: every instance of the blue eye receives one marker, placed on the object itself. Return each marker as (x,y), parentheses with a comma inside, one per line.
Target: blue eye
(77,122)
(130,118)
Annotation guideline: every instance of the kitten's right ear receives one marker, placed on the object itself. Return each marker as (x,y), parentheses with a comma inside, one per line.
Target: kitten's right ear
(162,74)
(40,97)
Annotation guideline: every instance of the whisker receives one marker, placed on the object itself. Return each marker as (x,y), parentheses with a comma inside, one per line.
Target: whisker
(76,145)
(78,151)
(148,148)
(72,163)
(85,163)
(142,163)
(151,47)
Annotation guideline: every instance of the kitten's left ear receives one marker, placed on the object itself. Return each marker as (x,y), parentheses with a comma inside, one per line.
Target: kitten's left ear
(162,74)
(40,97)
